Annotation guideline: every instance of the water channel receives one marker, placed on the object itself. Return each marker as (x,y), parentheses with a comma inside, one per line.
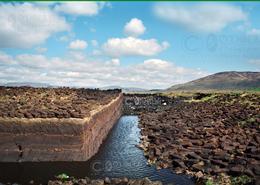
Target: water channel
(118,156)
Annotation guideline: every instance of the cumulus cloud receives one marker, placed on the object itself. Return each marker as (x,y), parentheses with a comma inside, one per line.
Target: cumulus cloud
(80,8)
(204,17)
(96,52)
(134,27)
(32,61)
(6,59)
(25,25)
(114,61)
(131,46)
(71,71)
(78,44)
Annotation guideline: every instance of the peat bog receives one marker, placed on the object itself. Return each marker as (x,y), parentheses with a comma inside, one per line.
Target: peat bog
(213,137)
(209,136)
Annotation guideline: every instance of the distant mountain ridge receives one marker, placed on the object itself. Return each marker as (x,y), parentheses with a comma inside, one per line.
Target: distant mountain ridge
(28,84)
(230,80)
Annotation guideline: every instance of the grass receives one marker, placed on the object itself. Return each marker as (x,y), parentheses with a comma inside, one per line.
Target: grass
(241,180)
(242,97)
(211,91)
(210,182)
(208,97)
(63,177)
(257,89)
(228,180)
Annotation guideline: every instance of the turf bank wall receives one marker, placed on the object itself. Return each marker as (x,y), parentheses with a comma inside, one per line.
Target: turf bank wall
(53,139)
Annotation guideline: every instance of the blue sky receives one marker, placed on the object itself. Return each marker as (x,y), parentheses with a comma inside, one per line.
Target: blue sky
(140,44)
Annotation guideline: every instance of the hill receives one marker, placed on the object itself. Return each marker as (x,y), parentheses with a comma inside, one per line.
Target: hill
(230,80)
(27,84)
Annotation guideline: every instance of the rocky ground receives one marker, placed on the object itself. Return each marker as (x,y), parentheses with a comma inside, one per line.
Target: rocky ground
(105,181)
(207,135)
(26,102)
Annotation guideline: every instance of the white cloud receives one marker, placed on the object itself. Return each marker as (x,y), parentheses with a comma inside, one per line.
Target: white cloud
(203,17)
(6,59)
(96,52)
(32,61)
(78,44)
(254,32)
(131,46)
(77,55)
(114,61)
(134,27)
(157,63)
(25,25)
(80,8)
(71,71)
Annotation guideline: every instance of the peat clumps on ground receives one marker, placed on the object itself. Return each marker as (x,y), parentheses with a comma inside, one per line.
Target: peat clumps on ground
(138,103)
(28,102)
(108,181)
(206,138)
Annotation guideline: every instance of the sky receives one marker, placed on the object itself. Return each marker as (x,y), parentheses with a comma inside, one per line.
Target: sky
(147,45)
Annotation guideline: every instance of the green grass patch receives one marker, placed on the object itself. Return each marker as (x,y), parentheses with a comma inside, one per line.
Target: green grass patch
(257,89)
(63,177)
(241,180)
(209,182)
(206,98)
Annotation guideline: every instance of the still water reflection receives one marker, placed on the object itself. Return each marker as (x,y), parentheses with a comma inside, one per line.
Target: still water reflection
(117,157)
